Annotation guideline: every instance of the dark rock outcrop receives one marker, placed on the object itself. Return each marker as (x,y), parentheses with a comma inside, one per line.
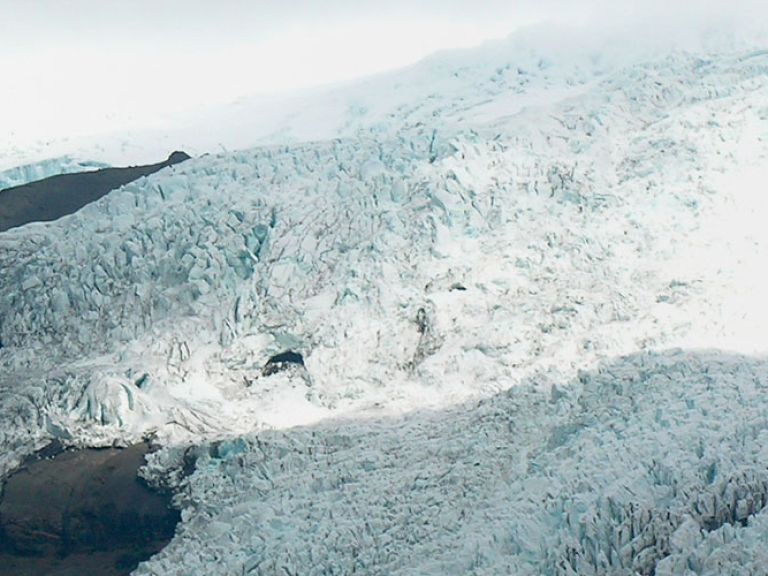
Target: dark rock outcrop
(88,506)
(57,196)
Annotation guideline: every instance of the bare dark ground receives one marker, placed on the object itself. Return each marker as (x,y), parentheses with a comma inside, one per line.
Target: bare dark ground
(57,196)
(82,512)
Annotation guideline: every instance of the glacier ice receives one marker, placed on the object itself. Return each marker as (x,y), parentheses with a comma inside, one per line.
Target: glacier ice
(634,467)
(510,316)
(19,175)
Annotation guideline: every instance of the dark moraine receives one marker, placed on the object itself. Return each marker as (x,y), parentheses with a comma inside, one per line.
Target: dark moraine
(82,512)
(57,196)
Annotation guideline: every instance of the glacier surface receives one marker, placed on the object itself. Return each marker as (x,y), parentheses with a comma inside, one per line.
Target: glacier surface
(20,175)
(529,306)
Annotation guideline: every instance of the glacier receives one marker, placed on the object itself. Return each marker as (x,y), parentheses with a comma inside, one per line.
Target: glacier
(19,175)
(527,298)
(550,477)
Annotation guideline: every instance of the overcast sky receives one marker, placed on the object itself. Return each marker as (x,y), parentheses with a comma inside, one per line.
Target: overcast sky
(80,64)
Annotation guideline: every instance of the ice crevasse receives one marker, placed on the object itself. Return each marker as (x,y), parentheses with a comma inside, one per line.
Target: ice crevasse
(518,281)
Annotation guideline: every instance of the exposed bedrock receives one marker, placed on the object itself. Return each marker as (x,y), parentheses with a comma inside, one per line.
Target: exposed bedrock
(82,503)
(57,196)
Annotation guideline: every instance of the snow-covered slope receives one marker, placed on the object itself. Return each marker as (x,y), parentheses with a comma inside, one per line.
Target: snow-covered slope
(533,66)
(486,256)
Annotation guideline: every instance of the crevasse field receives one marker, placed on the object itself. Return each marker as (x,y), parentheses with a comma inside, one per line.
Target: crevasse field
(529,290)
